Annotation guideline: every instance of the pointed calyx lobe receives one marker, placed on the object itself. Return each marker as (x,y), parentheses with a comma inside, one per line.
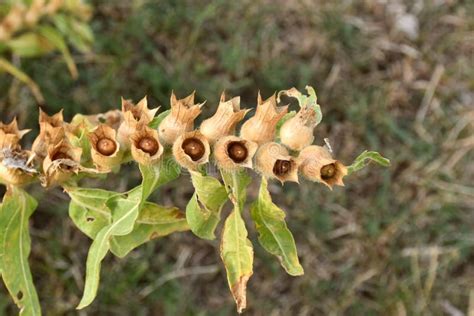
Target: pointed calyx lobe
(51,127)
(224,121)
(16,164)
(62,161)
(261,128)
(10,135)
(133,115)
(180,120)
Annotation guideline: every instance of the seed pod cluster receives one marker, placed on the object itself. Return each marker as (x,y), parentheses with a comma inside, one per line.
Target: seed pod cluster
(117,136)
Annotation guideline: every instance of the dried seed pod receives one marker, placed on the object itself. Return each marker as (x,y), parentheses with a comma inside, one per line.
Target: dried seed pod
(112,118)
(105,149)
(13,21)
(262,126)
(10,135)
(180,120)
(274,161)
(191,150)
(223,122)
(232,152)
(317,164)
(50,126)
(146,147)
(55,120)
(61,162)
(16,166)
(297,132)
(132,116)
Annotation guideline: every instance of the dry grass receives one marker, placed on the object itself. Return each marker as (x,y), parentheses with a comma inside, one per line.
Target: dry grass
(397,241)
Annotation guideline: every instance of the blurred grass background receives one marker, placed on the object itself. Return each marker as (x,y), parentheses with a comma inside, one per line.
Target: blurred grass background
(392,76)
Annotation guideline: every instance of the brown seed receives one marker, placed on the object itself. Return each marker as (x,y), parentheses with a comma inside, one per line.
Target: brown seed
(281,167)
(149,145)
(328,171)
(60,155)
(237,151)
(194,148)
(106,146)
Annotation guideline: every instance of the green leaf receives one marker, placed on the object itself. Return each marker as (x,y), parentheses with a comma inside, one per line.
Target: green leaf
(273,234)
(282,121)
(124,215)
(82,141)
(88,209)
(29,45)
(81,34)
(6,66)
(237,255)
(90,214)
(150,179)
(158,119)
(56,39)
(203,211)
(236,248)
(15,246)
(154,221)
(78,33)
(236,184)
(169,171)
(364,158)
(125,209)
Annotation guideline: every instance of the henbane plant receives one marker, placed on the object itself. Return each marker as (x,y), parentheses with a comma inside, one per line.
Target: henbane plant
(274,143)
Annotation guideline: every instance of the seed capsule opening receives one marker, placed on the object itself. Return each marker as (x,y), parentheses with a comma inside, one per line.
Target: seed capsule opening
(149,145)
(237,151)
(106,146)
(137,115)
(60,155)
(328,171)
(282,167)
(194,148)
